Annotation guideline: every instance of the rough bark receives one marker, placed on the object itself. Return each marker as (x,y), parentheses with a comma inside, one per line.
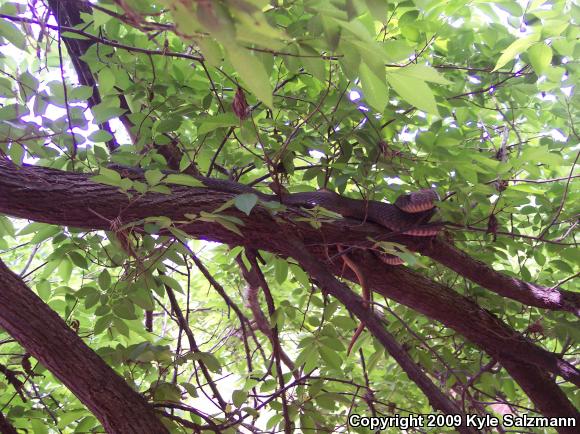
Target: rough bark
(5,426)
(318,271)
(72,195)
(47,337)
(483,329)
(68,14)
(459,313)
(543,391)
(527,293)
(65,198)
(549,401)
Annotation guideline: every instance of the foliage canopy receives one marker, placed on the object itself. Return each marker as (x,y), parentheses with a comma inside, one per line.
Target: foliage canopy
(366,98)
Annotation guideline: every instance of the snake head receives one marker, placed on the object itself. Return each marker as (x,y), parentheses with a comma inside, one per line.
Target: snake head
(417,201)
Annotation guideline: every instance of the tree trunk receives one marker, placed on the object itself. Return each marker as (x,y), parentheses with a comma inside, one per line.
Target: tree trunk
(46,336)
(5,426)
(65,198)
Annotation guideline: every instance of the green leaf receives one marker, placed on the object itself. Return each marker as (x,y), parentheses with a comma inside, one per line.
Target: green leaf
(142,298)
(171,282)
(300,275)
(374,359)
(281,270)
(153,177)
(397,50)
(6,88)
(170,124)
(378,9)
(515,48)
(540,57)
(510,6)
(246,202)
(374,88)
(103,323)
(167,392)
(211,51)
(229,225)
(13,111)
(102,179)
(99,17)
(31,228)
(39,426)
(182,179)
(414,91)
(331,357)
(13,34)
(106,79)
(209,360)
(100,136)
(190,388)
(211,123)
(252,72)
(239,397)
(104,113)
(46,232)
(104,280)
(316,66)
(80,93)
(422,72)
(28,85)
(78,260)
(124,309)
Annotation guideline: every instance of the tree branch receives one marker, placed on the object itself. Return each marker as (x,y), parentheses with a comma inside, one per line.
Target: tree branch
(65,198)
(47,337)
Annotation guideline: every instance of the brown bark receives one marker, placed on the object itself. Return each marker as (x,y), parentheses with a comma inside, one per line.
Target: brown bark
(255,280)
(47,337)
(183,325)
(527,293)
(68,14)
(524,361)
(318,271)
(549,401)
(71,199)
(65,198)
(5,426)
(459,313)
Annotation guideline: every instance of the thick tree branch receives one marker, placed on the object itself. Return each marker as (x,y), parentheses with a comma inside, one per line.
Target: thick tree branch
(487,331)
(71,199)
(70,16)
(317,270)
(530,294)
(5,426)
(46,336)
(459,313)
(64,199)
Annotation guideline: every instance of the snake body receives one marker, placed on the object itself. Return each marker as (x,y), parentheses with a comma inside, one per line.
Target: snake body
(409,215)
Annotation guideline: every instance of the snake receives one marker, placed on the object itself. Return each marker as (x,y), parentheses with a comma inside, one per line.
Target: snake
(408,215)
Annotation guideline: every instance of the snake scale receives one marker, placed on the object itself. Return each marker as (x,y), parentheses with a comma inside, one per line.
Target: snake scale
(409,215)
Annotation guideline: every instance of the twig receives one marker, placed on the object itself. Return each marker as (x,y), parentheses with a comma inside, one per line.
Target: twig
(563,201)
